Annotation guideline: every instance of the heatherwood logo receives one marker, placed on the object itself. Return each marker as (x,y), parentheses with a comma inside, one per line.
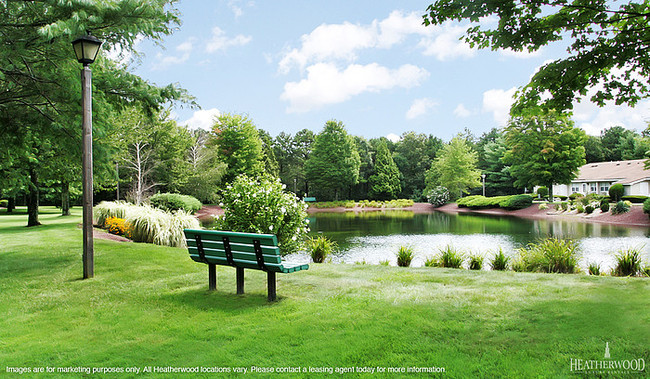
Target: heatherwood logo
(607,365)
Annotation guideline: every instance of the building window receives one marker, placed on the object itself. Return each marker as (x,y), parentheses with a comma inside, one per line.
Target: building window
(575,188)
(593,187)
(604,188)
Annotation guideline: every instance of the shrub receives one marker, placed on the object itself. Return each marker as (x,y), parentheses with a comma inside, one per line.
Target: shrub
(564,205)
(384,263)
(4,203)
(616,192)
(438,196)
(475,262)
(589,209)
(628,262)
(262,206)
(462,202)
(580,208)
(604,206)
(173,202)
(543,206)
(575,195)
(450,257)
(404,256)
(636,199)
(118,226)
(320,248)
(517,202)
(594,269)
(500,261)
(542,192)
(620,208)
(646,207)
(550,255)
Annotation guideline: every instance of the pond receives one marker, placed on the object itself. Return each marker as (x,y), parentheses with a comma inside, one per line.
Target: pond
(372,237)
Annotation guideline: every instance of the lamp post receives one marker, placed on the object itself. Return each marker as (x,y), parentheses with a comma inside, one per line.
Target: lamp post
(86,49)
(483,176)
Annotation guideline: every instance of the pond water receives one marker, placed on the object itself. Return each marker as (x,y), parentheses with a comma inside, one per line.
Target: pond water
(373,237)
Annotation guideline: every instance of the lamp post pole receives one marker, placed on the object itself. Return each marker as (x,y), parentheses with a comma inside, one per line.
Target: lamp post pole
(86,49)
(87,173)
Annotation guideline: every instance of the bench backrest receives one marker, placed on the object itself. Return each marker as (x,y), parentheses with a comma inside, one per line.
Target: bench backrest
(248,250)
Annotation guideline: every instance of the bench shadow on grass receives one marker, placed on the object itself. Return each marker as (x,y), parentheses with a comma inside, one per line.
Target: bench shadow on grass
(223,300)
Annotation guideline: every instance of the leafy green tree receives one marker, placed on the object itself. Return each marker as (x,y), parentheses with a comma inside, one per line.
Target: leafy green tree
(454,168)
(385,182)
(413,161)
(594,151)
(366,168)
(238,145)
(544,148)
(333,165)
(613,142)
(607,40)
(270,162)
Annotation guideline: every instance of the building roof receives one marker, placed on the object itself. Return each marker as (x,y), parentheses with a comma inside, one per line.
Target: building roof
(624,172)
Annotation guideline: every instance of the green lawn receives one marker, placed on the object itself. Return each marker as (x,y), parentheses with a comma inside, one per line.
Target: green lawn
(149,306)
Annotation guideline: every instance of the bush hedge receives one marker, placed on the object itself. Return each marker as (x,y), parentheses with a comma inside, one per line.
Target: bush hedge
(616,192)
(517,202)
(508,202)
(173,202)
(636,199)
(646,207)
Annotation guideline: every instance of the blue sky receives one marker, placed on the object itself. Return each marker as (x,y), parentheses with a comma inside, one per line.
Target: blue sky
(293,64)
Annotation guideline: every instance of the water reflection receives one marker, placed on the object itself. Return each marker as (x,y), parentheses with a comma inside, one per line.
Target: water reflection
(375,236)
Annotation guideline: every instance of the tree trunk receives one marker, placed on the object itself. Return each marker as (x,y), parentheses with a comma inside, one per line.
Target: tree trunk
(550,192)
(12,204)
(32,199)
(65,198)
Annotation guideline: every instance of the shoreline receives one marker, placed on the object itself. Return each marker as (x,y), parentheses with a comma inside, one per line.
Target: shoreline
(634,218)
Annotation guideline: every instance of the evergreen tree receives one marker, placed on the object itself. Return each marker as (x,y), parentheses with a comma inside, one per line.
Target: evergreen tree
(385,182)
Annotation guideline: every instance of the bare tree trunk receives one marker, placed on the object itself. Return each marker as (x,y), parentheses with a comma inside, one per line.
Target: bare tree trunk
(65,198)
(11,205)
(32,199)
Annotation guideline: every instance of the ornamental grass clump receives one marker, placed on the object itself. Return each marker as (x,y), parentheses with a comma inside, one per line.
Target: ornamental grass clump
(628,262)
(263,206)
(320,248)
(552,255)
(108,209)
(594,269)
(450,257)
(620,208)
(500,261)
(476,261)
(405,256)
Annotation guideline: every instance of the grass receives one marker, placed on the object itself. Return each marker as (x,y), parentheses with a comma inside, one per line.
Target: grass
(149,306)
(405,256)
(450,257)
(628,262)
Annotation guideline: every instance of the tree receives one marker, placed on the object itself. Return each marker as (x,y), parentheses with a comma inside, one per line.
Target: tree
(498,180)
(594,151)
(413,161)
(544,148)
(454,168)
(366,168)
(612,140)
(270,162)
(608,45)
(385,182)
(333,165)
(238,145)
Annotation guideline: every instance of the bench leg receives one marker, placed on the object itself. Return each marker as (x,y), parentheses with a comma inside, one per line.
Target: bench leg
(271,285)
(240,280)
(212,276)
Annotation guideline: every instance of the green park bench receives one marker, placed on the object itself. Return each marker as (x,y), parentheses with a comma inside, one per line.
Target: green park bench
(240,250)
(309,199)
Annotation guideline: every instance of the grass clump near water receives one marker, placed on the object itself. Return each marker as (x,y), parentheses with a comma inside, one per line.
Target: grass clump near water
(475,261)
(551,255)
(594,269)
(500,261)
(150,306)
(405,255)
(450,257)
(320,248)
(628,262)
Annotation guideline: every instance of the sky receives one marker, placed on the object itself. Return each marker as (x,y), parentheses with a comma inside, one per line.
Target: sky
(295,64)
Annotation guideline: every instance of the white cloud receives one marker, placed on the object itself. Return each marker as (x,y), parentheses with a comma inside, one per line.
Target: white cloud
(185,50)
(393,137)
(421,107)
(461,111)
(498,102)
(220,41)
(326,84)
(445,44)
(342,42)
(202,119)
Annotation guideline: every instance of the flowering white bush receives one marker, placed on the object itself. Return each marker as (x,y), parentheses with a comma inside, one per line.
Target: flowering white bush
(438,196)
(262,206)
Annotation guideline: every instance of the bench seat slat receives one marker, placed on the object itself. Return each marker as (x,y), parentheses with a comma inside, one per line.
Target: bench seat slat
(244,256)
(282,267)
(246,248)
(234,237)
